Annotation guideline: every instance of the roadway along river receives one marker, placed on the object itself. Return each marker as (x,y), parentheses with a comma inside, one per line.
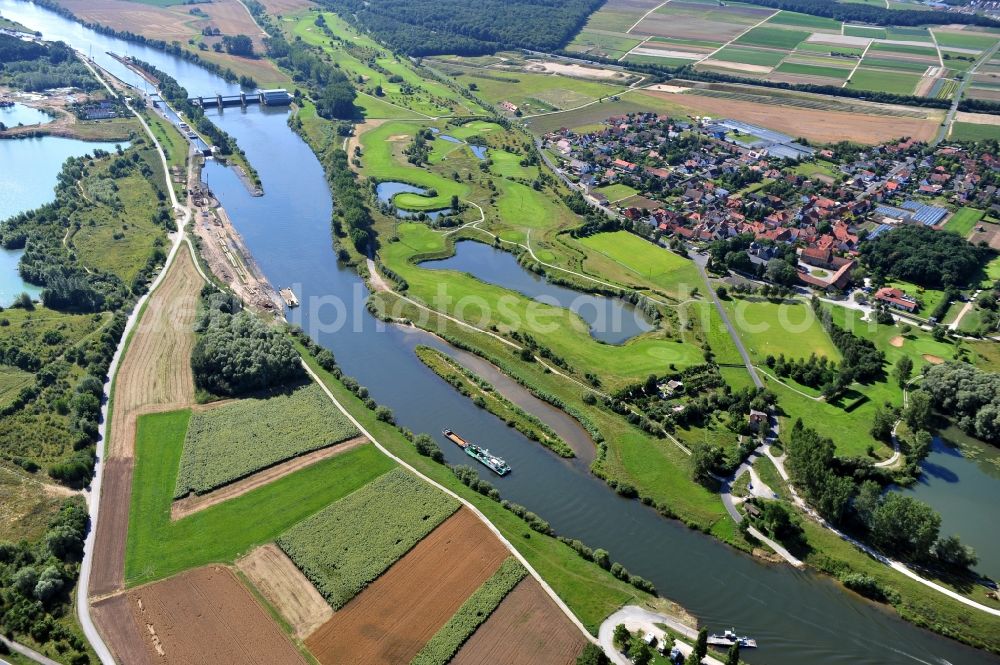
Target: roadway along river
(798,617)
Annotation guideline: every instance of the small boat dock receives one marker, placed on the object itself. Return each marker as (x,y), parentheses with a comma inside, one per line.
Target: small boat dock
(289,297)
(729,638)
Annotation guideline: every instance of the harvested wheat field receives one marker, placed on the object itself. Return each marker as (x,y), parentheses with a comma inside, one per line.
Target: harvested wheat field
(108,573)
(286,588)
(286,7)
(194,502)
(166,23)
(202,616)
(821,126)
(391,620)
(155,373)
(526,628)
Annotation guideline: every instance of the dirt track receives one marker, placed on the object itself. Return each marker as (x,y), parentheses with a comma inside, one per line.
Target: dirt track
(277,578)
(526,629)
(155,374)
(202,616)
(815,125)
(391,620)
(192,504)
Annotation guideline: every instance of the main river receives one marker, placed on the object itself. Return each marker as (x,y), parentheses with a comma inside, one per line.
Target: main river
(797,617)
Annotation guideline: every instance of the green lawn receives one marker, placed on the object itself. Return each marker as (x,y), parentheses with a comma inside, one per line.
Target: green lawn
(674,274)
(789,328)
(563,331)
(617,192)
(883,81)
(773,37)
(929,298)
(963,221)
(508,165)
(158,547)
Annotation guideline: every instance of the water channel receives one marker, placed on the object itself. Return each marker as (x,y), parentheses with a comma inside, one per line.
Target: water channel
(798,617)
(611,320)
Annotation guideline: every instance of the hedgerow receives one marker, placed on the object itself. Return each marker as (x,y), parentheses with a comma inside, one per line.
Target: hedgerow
(473,612)
(233,441)
(348,544)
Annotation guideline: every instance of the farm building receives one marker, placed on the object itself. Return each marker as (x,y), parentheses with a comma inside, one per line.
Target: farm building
(896,298)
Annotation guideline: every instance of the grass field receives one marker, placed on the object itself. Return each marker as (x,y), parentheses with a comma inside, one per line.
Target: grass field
(158,547)
(969,40)
(12,380)
(617,192)
(789,328)
(967,131)
(370,529)
(234,440)
(781,38)
(963,221)
(878,80)
(674,274)
(508,165)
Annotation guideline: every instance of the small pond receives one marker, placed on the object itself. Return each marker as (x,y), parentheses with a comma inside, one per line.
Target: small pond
(611,320)
(387,191)
(11,284)
(961,480)
(19,114)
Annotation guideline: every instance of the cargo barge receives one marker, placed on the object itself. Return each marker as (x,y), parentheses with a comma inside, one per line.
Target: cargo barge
(495,464)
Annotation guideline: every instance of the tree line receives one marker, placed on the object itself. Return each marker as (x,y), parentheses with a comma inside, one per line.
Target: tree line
(331,90)
(969,396)
(32,66)
(876,14)
(431,27)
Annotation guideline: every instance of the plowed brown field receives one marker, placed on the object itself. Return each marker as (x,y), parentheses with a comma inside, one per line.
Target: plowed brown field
(284,585)
(109,545)
(201,616)
(816,125)
(526,629)
(391,620)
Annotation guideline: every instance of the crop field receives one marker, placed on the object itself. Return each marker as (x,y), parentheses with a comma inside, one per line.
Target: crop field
(392,620)
(527,628)
(797,20)
(963,221)
(780,38)
(232,441)
(869,32)
(967,131)
(884,81)
(839,73)
(473,612)
(529,90)
(601,43)
(964,39)
(789,328)
(158,547)
(915,66)
(286,588)
(373,527)
(201,616)
(750,56)
(701,21)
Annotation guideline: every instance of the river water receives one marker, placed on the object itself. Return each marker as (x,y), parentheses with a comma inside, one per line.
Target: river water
(798,617)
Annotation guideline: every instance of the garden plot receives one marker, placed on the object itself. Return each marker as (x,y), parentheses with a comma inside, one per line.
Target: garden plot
(708,22)
(348,544)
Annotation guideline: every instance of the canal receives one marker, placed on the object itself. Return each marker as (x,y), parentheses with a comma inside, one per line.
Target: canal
(798,617)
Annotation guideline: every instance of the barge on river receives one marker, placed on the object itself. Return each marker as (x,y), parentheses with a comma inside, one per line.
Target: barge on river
(729,638)
(481,455)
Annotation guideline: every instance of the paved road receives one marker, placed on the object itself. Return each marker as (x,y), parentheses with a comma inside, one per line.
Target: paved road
(701,261)
(959,93)
(30,654)
(637,618)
